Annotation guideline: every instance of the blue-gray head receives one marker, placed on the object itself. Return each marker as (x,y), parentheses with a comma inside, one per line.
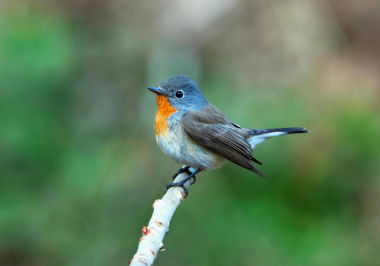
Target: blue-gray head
(181,92)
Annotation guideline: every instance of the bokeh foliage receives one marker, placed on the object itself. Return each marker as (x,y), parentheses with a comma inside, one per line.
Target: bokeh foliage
(80,167)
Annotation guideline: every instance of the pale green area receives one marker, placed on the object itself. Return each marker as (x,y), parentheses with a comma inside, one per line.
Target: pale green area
(80,168)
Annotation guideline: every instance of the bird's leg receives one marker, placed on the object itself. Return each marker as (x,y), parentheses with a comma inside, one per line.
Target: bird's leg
(182,170)
(182,183)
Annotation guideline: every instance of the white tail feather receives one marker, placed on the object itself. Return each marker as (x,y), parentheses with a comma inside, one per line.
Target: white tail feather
(254,140)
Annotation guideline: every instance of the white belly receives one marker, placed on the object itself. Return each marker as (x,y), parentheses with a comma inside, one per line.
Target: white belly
(183,150)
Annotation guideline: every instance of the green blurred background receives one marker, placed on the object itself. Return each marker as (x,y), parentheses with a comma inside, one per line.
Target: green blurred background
(80,168)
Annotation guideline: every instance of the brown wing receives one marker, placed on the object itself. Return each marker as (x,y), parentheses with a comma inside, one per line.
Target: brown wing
(214,131)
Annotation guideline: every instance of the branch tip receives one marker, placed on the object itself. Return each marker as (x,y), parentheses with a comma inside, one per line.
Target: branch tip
(154,203)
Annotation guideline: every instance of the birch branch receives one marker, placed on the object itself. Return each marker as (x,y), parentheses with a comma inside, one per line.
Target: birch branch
(153,235)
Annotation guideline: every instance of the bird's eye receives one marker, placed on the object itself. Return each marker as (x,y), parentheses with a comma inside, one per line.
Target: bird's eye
(179,94)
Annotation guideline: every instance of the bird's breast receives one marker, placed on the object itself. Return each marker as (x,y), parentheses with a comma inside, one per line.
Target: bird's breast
(164,110)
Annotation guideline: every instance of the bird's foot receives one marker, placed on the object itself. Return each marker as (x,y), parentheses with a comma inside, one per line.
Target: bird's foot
(182,183)
(179,184)
(182,170)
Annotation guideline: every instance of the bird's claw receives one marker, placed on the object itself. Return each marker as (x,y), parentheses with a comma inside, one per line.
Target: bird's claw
(179,184)
(182,183)
(182,170)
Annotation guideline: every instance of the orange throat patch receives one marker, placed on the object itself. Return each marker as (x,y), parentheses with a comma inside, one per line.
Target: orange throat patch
(164,110)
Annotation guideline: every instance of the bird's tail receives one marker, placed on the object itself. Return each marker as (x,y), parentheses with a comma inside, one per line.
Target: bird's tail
(259,135)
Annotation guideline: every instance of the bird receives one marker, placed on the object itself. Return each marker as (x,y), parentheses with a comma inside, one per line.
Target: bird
(196,134)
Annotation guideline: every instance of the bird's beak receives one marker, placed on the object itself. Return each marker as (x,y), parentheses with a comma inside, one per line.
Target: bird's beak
(157,91)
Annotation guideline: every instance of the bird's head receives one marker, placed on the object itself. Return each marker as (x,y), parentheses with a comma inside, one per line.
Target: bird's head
(181,93)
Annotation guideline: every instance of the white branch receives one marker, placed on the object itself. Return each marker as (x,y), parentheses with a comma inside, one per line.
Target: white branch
(153,235)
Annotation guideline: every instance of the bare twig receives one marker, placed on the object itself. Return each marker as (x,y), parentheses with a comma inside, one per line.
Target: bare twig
(153,235)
